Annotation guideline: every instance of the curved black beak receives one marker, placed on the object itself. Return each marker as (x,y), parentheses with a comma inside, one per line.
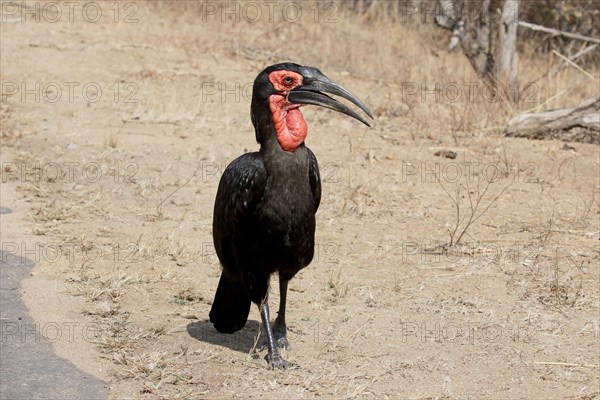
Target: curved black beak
(311,92)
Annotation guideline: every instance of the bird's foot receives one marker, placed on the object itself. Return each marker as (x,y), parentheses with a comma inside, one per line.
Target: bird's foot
(276,362)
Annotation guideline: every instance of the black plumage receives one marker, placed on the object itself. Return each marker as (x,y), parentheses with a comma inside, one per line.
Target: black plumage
(264,214)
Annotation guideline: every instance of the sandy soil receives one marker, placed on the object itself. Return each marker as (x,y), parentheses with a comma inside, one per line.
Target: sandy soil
(119,188)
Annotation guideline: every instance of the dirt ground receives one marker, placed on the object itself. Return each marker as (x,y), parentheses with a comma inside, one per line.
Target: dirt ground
(114,136)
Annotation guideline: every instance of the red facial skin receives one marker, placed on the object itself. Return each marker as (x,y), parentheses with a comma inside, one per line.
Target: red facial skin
(289,124)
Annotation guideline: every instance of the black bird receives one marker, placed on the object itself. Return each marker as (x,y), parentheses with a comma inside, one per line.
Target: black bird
(264,216)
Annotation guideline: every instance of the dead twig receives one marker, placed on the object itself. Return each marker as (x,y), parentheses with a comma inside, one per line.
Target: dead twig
(471,215)
(158,207)
(565,364)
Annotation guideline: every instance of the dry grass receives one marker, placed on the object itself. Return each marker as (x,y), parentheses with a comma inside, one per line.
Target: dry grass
(337,284)
(7,125)
(415,56)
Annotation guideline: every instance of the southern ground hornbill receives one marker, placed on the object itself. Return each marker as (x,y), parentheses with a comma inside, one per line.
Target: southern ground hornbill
(264,216)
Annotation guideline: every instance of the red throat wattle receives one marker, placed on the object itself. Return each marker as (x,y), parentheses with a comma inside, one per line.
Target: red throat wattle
(289,124)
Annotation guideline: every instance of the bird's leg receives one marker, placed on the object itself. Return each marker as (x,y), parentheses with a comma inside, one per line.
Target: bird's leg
(273,357)
(279,327)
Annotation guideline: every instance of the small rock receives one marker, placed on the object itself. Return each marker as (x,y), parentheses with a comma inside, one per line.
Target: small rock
(567,147)
(446,153)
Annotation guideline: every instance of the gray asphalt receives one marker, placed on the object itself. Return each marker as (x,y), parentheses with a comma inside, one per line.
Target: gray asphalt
(29,369)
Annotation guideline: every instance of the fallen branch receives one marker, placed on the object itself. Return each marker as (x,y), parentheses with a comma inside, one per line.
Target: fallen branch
(554,124)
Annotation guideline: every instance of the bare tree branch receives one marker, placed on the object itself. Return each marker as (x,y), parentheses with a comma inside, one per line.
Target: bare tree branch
(575,36)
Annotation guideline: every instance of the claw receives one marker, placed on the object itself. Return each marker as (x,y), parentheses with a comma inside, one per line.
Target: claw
(276,362)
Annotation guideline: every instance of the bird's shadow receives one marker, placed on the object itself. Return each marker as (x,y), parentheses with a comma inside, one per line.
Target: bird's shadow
(242,340)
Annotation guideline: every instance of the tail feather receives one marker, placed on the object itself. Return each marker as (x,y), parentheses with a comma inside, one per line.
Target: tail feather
(231,305)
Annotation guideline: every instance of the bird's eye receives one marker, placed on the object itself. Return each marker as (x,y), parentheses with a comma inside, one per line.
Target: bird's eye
(288,80)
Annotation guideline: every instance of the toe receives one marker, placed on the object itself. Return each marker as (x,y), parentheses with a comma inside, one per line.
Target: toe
(276,362)
(283,343)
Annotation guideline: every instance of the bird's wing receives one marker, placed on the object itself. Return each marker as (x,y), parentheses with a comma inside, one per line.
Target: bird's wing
(240,190)
(315,178)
